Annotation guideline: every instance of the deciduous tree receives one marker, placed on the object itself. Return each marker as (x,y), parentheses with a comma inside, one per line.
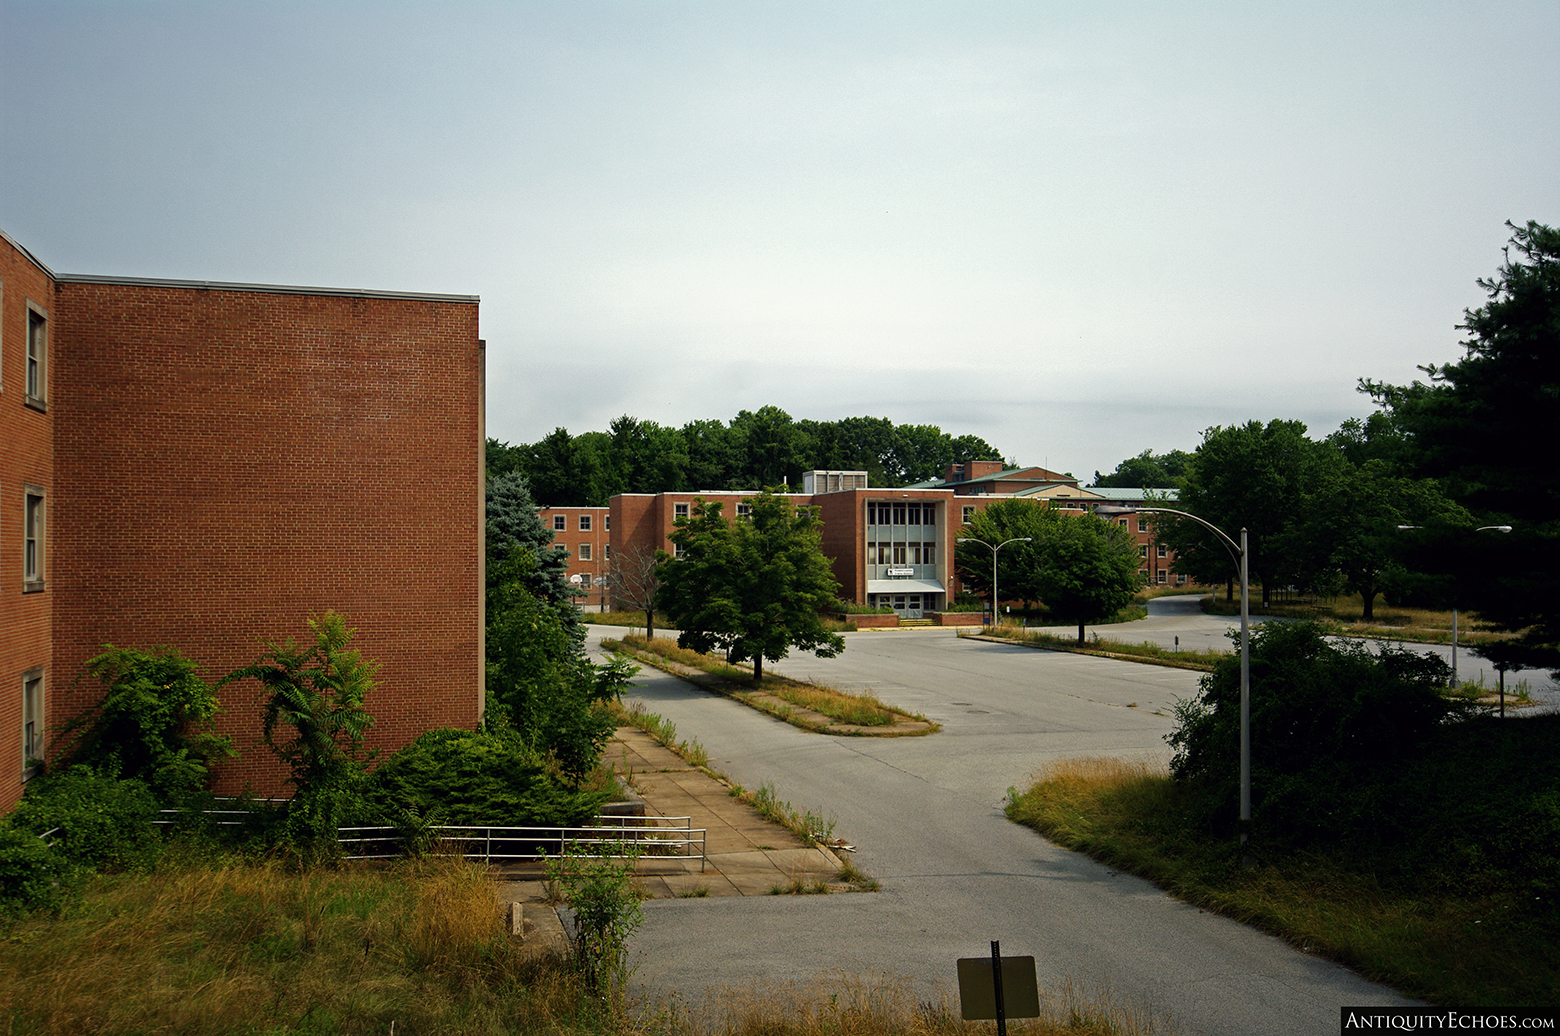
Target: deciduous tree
(753,586)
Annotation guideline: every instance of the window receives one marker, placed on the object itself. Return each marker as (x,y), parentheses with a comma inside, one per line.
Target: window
(560,523)
(1121,522)
(584,552)
(608,550)
(744,510)
(32,720)
(32,540)
(1161,550)
(899,514)
(969,512)
(606,522)
(915,514)
(929,553)
(37,357)
(678,550)
(1163,575)
(899,554)
(1180,579)
(1142,525)
(1142,550)
(679,511)
(584,523)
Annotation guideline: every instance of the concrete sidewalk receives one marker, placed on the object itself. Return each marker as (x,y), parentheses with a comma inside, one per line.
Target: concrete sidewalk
(745,855)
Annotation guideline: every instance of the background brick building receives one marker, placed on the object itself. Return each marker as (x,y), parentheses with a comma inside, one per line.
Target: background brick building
(218,462)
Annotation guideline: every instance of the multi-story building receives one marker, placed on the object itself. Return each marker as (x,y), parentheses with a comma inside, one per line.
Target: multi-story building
(585,533)
(199,465)
(893,547)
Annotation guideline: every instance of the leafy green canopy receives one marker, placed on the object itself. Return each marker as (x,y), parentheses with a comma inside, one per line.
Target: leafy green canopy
(1476,425)
(1080,567)
(765,447)
(753,587)
(154,722)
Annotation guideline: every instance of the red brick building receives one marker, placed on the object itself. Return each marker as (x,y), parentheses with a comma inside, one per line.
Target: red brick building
(586,533)
(894,547)
(200,465)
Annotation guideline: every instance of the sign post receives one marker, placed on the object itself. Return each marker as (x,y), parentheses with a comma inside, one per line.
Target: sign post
(998,987)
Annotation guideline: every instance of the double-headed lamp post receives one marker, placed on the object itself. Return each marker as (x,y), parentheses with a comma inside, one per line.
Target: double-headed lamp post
(1238,555)
(1482,528)
(995,618)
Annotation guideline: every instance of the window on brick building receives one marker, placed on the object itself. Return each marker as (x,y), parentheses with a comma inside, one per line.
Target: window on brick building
(584,552)
(679,510)
(1180,579)
(744,510)
(1164,575)
(32,539)
(1142,525)
(1161,550)
(32,721)
(678,550)
(584,523)
(606,522)
(1142,550)
(608,551)
(37,382)
(560,523)
(969,512)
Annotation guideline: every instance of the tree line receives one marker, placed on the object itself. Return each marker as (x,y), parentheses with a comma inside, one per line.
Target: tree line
(754,450)
(1412,501)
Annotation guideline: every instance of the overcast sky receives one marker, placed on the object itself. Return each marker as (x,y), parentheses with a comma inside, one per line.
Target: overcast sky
(1078,230)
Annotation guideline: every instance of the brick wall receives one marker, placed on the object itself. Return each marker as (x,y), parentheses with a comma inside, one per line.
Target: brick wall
(26,458)
(229,462)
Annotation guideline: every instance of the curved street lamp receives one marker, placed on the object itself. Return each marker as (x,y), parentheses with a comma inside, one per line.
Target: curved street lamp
(1482,528)
(1238,555)
(995,619)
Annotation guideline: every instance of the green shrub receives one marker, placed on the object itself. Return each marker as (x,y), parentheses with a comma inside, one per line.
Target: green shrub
(104,821)
(1329,724)
(475,777)
(33,876)
(153,723)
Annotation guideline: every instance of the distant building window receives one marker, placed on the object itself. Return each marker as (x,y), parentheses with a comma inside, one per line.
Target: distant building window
(969,512)
(37,358)
(584,523)
(679,511)
(744,510)
(33,540)
(606,522)
(32,721)
(584,552)
(1142,525)
(1161,550)
(929,553)
(1180,579)
(560,523)
(678,550)
(1142,550)
(608,550)
(1122,522)
(1164,575)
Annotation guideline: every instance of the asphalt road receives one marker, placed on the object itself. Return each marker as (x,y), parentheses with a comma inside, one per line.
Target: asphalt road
(926,814)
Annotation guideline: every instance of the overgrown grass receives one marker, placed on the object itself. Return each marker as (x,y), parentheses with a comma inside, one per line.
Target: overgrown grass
(1347,614)
(1415,928)
(615,618)
(247,947)
(1105,646)
(860,710)
(227,947)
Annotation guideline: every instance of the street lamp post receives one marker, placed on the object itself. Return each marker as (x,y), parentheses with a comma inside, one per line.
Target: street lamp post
(1482,528)
(995,619)
(1238,555)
